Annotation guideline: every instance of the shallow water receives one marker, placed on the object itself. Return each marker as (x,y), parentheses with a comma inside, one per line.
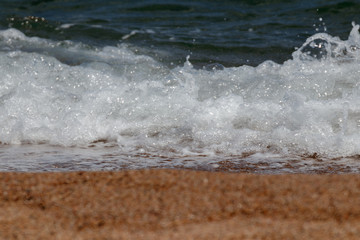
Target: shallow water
(199,86)
(44,158)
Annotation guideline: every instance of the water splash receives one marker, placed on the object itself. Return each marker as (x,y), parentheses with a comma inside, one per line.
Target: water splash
(70,94)
(324,46)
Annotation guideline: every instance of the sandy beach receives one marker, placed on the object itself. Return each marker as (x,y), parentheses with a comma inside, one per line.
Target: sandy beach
(178,204)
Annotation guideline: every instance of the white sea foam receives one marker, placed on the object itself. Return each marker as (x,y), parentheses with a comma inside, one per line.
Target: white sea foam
(65,26)
(69,94)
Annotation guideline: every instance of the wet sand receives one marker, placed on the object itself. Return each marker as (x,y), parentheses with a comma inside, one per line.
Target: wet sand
(178,204)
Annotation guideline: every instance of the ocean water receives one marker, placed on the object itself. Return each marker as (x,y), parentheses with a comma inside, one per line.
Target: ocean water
(249,86)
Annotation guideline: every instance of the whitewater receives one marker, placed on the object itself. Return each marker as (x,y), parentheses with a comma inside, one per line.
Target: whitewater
(66,106)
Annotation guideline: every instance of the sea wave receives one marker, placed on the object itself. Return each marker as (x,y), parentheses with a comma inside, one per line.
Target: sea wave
(71,94)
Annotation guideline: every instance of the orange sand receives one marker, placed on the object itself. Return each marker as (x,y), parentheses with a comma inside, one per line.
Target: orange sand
(178,204)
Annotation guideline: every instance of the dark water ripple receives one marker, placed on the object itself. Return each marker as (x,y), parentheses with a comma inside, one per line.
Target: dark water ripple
(228,32)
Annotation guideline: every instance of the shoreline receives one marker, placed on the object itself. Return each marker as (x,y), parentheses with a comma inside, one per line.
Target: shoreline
(178,204)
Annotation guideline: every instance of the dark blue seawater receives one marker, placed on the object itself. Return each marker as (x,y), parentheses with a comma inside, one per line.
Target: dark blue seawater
(255,86)
(228,32)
